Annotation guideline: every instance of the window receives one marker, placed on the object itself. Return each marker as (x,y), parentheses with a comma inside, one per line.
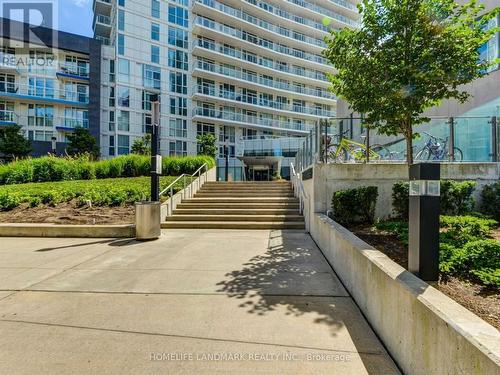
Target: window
(111,125)
(6,111)
(40,135)
(111,71)
(147,121)
(151,76)
(121,20)
(121,44)
(178,128)
(155,31)
(178,148)
(111,145)
(204,128)
(121,3)
(40,87)
(76,92)
(76,118)
(178,106)
(146,100)
(111,96)
(123,71)
(7,83)
(227,131)
(178,15)
(40,115)
(123,121)
(124,96)
(178,37)
(177,59)
(249,133)
(155,8)
(155,54)
(123,144)
(178,82)
(491,50)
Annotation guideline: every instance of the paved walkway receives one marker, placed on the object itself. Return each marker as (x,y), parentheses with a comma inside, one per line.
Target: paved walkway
(192,302)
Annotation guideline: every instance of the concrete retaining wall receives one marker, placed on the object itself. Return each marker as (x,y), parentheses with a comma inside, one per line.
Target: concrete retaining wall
(425,331)
(328,178)
(72,231)
(189,191)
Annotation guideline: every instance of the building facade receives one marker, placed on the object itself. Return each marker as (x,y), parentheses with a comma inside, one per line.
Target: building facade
(51,87)
(235,69)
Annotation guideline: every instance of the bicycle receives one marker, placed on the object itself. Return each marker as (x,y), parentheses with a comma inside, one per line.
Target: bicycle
(436,148)
(349,150)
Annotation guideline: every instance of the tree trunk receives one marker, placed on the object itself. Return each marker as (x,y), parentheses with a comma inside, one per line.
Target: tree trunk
(409,149)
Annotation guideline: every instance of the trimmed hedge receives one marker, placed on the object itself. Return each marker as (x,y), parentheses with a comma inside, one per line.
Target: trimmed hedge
(490,201)
(50,168)
(355,205)
(456,198)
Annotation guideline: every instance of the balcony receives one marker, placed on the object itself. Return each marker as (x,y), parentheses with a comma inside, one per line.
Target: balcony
(252,101)
(7,118)
(257,61)
(68,124)
(339,19)
(102,7)
(103,40)
(257,80)
(258,25)
(230,118)
(43,94)
(270,146)
(73,72)
(8,63)
(102,25)
(253,41)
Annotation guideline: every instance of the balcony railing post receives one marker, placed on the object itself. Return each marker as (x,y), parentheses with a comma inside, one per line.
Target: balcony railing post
(451,140)
(494,139)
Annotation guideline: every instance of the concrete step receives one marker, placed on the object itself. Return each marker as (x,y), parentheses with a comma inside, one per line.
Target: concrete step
(249,206)
(244,189)
(242,200)
(232,225)
(234,218)
(251,183)
(235,211)
(205,194)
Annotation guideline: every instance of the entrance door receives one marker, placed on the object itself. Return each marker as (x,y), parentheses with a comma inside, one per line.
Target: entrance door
(261,175)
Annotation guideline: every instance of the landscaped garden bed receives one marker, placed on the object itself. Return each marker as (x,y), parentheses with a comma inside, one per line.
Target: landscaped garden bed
(79,191)
(469,241)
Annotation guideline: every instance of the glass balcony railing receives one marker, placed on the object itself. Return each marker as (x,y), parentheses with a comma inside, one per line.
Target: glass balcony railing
(257,100)
(253,59)
(75,70)
(43,93)
(72,123)
(7,116)
(239,74)
(102,19)
(270,146)
(105,41)
(249,119)
(281,31)
(243,35)
(326,12)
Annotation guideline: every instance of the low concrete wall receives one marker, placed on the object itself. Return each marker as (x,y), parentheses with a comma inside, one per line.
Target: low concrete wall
(328,178)
(425,331)
(73,231)
(189,191)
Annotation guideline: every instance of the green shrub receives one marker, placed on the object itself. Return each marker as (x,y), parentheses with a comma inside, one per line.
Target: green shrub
(398,228)
(355,205)
(9,201)
(53,169)
(490,201)
(458,230)
(456,198)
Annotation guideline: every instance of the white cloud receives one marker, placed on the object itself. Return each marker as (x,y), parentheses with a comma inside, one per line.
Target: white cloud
(81,3)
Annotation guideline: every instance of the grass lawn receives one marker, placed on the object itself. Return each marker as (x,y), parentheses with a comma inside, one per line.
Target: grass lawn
(82,201)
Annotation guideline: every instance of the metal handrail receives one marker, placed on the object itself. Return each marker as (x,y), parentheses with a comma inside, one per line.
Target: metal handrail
(302,195)
(183,177)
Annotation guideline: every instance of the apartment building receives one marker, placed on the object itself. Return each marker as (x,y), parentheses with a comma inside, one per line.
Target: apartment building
(238,69)
(51,87)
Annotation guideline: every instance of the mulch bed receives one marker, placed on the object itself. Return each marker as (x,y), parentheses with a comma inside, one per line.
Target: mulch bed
(69,213)
(482,301)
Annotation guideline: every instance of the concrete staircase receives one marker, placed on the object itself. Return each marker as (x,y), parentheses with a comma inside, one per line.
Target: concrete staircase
(239,205)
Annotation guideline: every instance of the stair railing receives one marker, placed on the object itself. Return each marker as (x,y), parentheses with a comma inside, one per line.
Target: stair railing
(184,191)
(300,193)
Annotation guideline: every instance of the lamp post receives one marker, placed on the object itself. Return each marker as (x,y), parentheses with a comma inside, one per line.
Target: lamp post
(156,164)
(423,224)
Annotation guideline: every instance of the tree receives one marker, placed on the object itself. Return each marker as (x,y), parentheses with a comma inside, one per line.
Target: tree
(142,146)
(407,57)
(207,144)
(82,142)
(12,142)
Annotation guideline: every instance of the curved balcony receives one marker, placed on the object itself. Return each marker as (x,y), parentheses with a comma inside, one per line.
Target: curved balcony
(262,43)
(343,20)
(278,68)
(237,73)
(278,30)
(208,114)
(43,94)
(259,101)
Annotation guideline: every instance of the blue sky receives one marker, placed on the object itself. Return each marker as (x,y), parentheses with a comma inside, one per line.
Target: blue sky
(75,16)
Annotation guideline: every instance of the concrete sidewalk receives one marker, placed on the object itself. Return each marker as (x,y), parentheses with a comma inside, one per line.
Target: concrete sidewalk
(192,302)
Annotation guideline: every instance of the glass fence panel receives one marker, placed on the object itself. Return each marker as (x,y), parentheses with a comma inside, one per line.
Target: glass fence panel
(473,139)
